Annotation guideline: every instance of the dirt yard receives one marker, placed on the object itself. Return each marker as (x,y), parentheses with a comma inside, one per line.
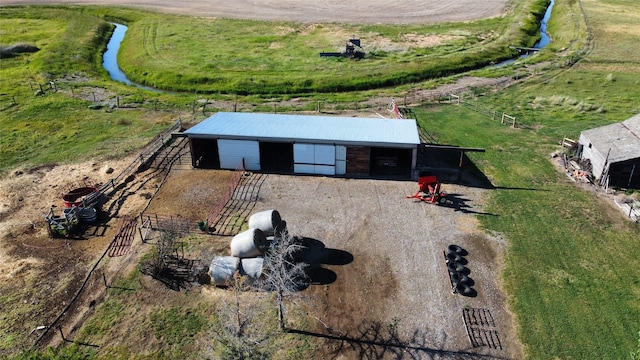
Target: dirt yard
(398,276)
(383,291)
(355,11)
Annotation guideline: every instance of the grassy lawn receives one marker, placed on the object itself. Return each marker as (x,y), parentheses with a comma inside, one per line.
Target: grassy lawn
(573,271)
(250,57)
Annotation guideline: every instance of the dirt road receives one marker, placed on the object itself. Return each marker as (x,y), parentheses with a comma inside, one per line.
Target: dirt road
(354,11)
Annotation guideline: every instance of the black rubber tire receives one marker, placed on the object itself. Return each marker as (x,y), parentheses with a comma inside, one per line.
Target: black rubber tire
(455,267)
(453,257)
(459,278)
(457,249)
(442,200)
(464,289)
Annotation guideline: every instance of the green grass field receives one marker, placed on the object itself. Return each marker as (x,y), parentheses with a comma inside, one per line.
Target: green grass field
(572,269)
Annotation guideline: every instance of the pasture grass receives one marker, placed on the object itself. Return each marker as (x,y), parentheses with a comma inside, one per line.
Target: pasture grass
(252,57)
(572,270)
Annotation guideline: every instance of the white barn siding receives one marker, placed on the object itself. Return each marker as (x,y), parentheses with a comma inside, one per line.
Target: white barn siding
(341,160)
(233,151)
(314,159)
(595,157)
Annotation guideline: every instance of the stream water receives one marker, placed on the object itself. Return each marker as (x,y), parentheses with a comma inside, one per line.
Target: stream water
(110,57)
(541,43)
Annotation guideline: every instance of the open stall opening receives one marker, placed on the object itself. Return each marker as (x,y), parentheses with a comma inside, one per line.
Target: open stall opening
(205,153)
(276,157)
(391,162)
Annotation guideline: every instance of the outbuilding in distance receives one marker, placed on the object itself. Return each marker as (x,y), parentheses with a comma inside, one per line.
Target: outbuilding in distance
(304,144)
(614,153)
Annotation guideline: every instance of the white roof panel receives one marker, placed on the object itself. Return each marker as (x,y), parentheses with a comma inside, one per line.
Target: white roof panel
(306,128)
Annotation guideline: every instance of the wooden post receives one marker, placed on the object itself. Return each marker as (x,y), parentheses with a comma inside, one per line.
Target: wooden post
(494,114)
(94,96)
(318,106)
(235,107)
(117,101)
(460,166)
(275,109)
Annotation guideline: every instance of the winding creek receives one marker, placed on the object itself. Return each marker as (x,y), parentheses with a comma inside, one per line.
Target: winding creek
(110,57)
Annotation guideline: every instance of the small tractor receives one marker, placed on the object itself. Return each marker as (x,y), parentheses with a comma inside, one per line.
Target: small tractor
(429,190)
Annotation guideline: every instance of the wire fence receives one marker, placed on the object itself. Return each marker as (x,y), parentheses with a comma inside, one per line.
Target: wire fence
(492,113)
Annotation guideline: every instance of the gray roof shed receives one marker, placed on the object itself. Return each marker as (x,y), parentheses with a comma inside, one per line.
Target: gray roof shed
(398,133)
(611,144)
(622,138)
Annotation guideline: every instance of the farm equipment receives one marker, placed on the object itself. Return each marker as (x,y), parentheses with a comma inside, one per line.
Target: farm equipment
(429,190)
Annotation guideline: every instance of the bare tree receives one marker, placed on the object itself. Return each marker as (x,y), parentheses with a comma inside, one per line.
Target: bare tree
(284,271)
(244,329)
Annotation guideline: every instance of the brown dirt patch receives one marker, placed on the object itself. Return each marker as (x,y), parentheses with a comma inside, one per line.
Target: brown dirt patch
(389,291)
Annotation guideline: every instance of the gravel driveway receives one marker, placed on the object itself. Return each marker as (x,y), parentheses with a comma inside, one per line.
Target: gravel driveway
(397,289)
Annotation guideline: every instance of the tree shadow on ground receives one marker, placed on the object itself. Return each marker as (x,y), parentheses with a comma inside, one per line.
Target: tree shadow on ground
(458,202)
(376,340)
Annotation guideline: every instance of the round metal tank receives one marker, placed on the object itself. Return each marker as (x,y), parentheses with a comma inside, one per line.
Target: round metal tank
(269,221)
(252,267)
(250,243)
(222,269)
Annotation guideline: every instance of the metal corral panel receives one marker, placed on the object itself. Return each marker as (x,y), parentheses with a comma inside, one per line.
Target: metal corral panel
(398,133)
(233,151)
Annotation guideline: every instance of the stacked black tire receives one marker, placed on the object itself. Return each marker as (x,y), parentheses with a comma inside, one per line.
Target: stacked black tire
(458,272)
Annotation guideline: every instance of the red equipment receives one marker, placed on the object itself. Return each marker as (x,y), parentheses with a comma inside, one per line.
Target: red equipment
(429,190)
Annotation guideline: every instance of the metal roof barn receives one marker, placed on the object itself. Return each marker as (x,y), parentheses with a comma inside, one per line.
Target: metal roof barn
(614,152)
(306,144)
(304,128)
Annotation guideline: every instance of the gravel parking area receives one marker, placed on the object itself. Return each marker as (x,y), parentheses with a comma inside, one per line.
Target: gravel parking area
(388,287)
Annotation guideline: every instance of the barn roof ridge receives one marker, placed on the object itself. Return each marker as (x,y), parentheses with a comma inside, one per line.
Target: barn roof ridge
(311,128)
